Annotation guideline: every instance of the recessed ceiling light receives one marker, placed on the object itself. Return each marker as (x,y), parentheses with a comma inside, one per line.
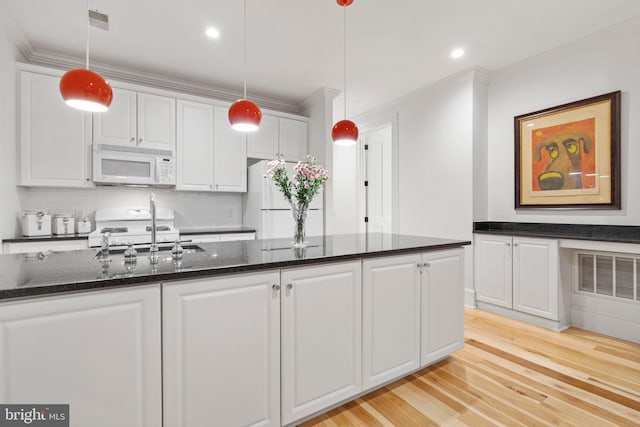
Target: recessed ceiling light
(457,53)
(212,32)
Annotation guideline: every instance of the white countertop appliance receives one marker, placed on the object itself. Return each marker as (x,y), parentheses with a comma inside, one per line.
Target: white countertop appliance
(63,224)
(266,209)
(133,225)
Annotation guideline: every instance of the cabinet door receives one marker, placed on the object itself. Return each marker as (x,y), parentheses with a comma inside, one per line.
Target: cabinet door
(55,139)
(391,318)
(117,126)
(321,337)
(293,139)
(97,352)
(229,155)
(535,277)
(222,351)
(263,143)
(156,122)
(492,269)
(442,304)
(194,146)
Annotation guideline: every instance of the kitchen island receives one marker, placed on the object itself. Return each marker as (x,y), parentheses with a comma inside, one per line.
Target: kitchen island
(234,333)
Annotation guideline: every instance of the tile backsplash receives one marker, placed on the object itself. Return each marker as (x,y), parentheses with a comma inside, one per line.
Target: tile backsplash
(192,209)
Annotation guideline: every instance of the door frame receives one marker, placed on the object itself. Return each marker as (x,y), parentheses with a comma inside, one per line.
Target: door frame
(370,124)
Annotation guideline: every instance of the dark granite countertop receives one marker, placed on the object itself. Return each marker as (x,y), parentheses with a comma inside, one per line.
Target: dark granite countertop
(50,238)
(25,275)
(605,233)
(215,230)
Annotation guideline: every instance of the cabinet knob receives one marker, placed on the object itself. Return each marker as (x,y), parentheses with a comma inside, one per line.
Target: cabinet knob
(275,287)
(515,244)
(508,244)
(419,265)
(426,264)
(140,141)
(290,286)
(133,139)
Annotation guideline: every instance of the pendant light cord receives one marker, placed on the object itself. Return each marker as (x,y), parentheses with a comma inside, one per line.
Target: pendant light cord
(88,32)
(245,49)
(345,60)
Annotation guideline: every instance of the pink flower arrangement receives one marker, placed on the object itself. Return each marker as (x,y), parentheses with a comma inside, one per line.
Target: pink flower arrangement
(307,180)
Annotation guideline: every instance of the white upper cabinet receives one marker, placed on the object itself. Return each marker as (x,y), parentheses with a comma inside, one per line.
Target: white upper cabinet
(194,146)
(137,120)
(211,156)
(229,154)
(55,139)
(279,137)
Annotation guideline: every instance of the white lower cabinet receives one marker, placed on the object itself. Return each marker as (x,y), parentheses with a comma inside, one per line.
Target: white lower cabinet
(391,318)
(221,348)
(321,337)
(442,296)
(519,273)
(99,352)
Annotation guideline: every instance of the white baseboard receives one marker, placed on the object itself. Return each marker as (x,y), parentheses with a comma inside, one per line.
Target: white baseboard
(470,298)
(525,317)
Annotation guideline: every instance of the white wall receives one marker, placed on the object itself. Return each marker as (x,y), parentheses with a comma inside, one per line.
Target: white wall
(192,209)
(8,159)
(604,62)
(435,150)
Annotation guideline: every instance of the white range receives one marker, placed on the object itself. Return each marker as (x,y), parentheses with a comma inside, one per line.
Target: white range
(133,225)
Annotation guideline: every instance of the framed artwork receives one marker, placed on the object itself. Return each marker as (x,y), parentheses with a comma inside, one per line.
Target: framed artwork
(569,156)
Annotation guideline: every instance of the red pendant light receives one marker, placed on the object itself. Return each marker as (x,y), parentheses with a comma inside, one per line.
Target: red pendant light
(84,89)
(245,115)
(345,132)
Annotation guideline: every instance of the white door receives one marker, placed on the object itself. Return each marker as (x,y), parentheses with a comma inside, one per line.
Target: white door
(118,125)
(293,140)
(535,277)
(99,352)
(321,337)
(222,351)
(391,318)
(442,296)
(156,122)
(263,143)
(229,155)
(492,269)
(194,146)
(55,139)
(378,178)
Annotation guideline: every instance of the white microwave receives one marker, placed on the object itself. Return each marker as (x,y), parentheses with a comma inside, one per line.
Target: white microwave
(134,166)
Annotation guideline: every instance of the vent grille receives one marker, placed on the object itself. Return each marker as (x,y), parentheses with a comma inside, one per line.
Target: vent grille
(608,274)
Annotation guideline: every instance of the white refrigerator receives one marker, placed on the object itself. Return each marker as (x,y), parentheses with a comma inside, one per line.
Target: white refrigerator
(266,209)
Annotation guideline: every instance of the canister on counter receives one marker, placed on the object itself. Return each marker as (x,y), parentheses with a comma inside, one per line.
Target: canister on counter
(35,222)
(63,224)
(83,225)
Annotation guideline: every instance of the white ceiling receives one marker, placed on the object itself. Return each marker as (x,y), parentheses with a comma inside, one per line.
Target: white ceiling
(295,47)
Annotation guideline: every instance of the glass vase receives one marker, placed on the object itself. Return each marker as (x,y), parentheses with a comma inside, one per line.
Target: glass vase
(299,219)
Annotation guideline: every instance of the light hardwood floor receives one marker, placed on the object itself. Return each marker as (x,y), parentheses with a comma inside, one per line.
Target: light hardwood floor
(510,373)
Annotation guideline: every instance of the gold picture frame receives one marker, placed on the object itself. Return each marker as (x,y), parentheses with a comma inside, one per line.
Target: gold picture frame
(568,156)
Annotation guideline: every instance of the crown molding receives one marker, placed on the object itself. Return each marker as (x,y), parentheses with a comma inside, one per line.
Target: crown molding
(129,75)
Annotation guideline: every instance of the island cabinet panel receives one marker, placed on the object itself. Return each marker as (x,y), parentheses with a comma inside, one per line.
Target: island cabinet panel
(321,337)
(221,348)
(98,352)
(391,318)
(442,296)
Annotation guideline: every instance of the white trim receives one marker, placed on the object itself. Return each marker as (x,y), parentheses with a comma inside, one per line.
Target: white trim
(524,317)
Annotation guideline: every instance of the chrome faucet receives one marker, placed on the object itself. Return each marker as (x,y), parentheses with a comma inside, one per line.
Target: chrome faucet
(153,248)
